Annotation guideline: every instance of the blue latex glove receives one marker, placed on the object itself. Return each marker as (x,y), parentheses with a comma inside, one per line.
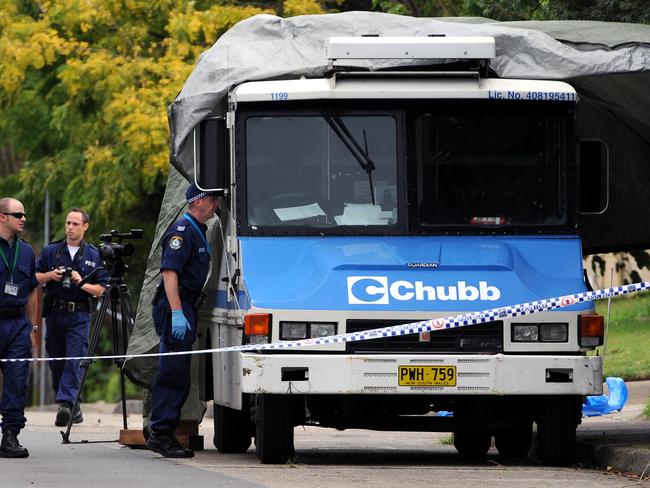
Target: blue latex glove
(180,325)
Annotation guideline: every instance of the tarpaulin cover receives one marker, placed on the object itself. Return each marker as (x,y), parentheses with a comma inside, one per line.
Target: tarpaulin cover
(607,63)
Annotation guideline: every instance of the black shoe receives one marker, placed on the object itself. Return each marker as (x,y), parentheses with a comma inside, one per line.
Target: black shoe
(176,443)
(167,445)
(62,415)
(78,417)
(10,447)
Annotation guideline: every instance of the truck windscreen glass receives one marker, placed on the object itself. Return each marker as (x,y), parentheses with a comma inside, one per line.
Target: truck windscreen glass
(300,172)
(489,166)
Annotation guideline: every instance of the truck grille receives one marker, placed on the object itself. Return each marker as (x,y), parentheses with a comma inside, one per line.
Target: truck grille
(483,338)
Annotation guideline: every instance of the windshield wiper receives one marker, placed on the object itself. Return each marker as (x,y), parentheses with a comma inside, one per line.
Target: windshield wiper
(359,153)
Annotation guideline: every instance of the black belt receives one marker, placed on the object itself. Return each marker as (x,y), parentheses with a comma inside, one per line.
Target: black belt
(188,294)
(195,297)
(68,306)
(12,312)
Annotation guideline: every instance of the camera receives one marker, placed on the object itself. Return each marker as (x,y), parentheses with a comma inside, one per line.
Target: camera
(67,275)
(112,250)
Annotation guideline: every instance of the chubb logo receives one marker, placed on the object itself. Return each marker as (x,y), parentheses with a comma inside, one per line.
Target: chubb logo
(377,290)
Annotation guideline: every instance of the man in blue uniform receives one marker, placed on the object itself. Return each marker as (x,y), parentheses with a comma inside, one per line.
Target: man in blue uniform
(17,299)
(67,307)
(184,266)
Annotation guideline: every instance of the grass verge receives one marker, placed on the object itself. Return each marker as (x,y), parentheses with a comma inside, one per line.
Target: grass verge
(628,347)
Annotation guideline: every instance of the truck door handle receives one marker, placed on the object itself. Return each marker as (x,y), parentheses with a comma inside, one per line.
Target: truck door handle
(233,282)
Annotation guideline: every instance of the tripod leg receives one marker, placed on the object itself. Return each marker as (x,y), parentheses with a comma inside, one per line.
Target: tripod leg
(118,351)
(127,321)
(96,329)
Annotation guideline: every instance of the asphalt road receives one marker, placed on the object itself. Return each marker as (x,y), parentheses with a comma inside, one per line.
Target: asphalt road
(324,458)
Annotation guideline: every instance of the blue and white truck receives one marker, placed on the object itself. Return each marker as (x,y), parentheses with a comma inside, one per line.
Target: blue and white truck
(364,199)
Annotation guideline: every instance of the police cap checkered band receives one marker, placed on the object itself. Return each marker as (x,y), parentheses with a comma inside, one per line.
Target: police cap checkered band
(194,193)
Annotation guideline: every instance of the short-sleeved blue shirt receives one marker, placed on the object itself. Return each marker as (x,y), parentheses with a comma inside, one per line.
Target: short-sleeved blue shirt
(85,261)
(24,273)
(184,250)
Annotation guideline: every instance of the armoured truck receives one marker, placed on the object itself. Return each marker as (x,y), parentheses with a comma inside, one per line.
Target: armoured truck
(364,199)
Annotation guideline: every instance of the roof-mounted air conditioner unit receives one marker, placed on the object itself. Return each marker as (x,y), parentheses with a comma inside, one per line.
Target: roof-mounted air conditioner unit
(411,48)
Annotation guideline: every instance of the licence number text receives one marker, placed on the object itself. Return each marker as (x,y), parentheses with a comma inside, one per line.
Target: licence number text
(423,375)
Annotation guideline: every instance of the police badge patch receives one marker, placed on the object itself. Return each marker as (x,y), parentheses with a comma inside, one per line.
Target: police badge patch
(175,242)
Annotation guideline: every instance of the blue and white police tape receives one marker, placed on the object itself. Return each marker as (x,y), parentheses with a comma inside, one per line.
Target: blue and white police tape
(398,330)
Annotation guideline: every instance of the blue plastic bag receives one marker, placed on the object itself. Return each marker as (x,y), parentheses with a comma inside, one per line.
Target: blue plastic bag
(604,404)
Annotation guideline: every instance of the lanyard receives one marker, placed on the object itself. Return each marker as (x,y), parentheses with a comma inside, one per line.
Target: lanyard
(13,266)
(207,246)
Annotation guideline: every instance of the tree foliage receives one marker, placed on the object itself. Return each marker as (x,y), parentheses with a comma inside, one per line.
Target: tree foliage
(504,10)
(84,86)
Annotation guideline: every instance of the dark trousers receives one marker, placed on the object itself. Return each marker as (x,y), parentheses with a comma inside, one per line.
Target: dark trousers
(66,336)
(15,343)
(172,383)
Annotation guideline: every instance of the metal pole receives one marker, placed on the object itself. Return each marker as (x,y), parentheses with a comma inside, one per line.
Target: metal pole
(609,307)
(42,366)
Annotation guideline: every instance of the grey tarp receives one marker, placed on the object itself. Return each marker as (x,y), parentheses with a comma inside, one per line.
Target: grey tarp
(608,64)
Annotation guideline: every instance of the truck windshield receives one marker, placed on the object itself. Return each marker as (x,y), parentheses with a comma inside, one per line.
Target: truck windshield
(400,167)
(300,171)
(482,167)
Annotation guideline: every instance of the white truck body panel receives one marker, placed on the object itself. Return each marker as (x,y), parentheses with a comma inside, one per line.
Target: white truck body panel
(402,88)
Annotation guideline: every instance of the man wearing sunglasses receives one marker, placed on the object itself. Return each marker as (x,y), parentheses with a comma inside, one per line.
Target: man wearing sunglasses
(67,306)
(17,300)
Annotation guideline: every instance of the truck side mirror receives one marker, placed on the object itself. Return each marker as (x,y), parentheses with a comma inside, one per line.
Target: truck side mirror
(593,168)
(210,149)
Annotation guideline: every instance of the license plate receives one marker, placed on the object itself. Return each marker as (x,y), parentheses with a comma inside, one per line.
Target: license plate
(426,375)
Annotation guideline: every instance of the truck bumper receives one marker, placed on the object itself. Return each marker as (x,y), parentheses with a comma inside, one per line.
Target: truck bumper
(378,374)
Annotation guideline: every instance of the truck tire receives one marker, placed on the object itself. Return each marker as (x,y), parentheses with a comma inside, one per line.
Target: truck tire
(232,429)
(515,441)
(472,443)
(557,422)
(273,428)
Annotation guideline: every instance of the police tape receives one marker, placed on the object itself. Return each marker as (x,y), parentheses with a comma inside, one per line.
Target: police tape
(431,325)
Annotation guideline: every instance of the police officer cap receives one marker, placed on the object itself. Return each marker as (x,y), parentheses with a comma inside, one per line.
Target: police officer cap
(194,193)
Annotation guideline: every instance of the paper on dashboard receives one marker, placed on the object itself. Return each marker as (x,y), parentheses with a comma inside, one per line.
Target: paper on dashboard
(363,214)
(301,212)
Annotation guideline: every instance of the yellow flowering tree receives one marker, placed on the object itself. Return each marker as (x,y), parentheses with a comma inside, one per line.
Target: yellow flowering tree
(84,88)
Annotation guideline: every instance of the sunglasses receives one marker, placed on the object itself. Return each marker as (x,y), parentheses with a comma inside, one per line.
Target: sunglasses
(18,215)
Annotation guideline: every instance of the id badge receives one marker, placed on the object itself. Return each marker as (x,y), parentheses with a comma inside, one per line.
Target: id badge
(11,289)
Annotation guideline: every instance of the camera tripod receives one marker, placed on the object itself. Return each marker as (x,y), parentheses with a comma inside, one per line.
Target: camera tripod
(116,293)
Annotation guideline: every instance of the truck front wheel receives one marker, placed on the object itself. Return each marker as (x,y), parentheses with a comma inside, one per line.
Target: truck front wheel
(472,443)
(515,441)
(232,429)
(557,421)
(273,428)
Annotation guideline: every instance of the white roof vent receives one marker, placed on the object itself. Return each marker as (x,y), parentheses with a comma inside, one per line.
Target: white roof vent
(411,48)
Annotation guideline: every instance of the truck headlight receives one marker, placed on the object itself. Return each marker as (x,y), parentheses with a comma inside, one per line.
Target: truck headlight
(554,332)
(540,332)
(293,330)
(322,329)
(525,333)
